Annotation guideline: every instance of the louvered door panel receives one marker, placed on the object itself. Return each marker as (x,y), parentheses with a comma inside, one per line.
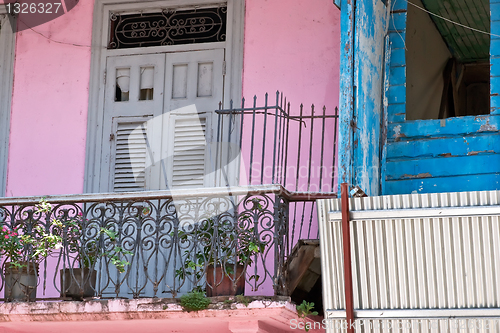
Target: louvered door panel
(130,156)
(188,169)
(134,96)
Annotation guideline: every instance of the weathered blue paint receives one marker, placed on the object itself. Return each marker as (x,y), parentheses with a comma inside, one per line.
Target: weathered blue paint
(360,137)
(346,98)
(385,121)
(454,154)
(399,156)
(444,147)
(485,163)
(495,57)
(445,184)
(415,129)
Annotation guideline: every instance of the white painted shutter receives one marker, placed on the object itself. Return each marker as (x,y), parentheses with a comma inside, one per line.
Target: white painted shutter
(193,89)
(130,156)
(188,167)
(126,156)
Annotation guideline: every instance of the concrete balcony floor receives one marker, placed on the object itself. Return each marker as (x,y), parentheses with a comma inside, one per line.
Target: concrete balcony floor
(271,315)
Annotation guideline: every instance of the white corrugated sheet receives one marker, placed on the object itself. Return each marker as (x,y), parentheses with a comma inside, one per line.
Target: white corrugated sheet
(413,254)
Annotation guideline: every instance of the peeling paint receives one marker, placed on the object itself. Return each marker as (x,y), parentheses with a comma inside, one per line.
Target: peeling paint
(473,153)
(419,176)
(397,131)
(488,128)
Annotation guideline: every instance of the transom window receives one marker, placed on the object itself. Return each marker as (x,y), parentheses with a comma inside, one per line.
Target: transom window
(168,27)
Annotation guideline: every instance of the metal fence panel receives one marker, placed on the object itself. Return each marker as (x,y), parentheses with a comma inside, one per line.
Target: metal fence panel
(414,254)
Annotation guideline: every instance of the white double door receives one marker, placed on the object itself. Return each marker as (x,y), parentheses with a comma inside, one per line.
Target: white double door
(159,115)
(160,119)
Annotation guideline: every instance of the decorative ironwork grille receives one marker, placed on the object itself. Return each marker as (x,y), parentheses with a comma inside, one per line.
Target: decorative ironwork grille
(169,27)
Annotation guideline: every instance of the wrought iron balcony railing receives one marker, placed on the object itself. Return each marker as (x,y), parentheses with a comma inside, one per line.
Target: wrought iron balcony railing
(146,244)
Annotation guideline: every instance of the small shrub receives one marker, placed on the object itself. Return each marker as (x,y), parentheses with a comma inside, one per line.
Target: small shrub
(243,300)
(194,301)
(304,310)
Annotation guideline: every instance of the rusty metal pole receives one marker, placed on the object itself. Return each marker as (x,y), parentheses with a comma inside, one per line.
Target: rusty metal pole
(346,238)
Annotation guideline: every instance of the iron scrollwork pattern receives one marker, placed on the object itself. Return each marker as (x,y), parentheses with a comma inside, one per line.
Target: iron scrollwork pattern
(144,247)
(169,27)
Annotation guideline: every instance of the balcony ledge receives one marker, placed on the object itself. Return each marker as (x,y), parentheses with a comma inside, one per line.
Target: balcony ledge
(149,315)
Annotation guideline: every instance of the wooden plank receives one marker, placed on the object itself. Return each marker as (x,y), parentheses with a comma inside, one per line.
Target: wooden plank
(483,182)
(443,167)
(444,127)
(465,44)
(452,146)
(303,256)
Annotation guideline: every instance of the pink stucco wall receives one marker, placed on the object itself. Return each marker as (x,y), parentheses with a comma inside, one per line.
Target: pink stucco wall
(290,45)
(49,106)
(293,46)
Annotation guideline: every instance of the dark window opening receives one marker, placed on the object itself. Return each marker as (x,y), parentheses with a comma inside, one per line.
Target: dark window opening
(447,66)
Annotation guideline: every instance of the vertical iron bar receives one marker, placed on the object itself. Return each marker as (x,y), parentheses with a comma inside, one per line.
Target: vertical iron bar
(279,139)
(310,148)
(311,220)
(286,140)
(322,150)
(334,147)
(219,142)
(241,123)
(275,134)
(228,151)
(275,240)
(298,148)
(302,218)
(252,142)
(294,223)
(264,142)
(285,116)
(346,238)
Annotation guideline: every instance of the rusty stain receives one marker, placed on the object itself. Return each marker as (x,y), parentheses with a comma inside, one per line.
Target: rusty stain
(354,126)
(495,94)
(473,153)
(488,128)
(420,175)
(446,155)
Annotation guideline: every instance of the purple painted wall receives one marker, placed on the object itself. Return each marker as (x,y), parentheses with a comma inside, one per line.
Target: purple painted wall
(290,45)
(49,106)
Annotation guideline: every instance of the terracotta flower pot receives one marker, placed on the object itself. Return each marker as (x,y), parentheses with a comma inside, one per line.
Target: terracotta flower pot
(20,283)
(220,284)
(78,283)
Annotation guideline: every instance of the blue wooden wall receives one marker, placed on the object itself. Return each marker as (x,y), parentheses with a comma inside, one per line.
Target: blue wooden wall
(361,82)
(453,154)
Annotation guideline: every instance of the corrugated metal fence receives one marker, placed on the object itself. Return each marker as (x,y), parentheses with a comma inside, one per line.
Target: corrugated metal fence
(424,262)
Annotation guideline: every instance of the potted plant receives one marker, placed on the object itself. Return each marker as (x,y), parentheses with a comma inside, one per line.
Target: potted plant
(79,279)
(23,252)
(79,282)
(226,250)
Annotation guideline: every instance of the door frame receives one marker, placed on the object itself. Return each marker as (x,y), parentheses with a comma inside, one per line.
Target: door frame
(7,56)
(102,8)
